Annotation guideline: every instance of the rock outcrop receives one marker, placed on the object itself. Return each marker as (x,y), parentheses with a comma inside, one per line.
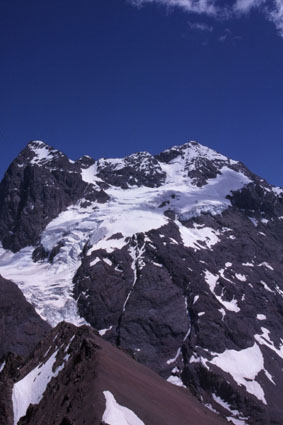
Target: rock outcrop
(20,326)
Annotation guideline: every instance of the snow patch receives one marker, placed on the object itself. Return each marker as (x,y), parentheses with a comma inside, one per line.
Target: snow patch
(157,264)
(175,380)
(107,261)
(31,388)
(243,366)
(191,201)
(248,264)
(264,339)
(277,190)
(185,337)
(236,421)
(222,403)
(43,153)
(94,262)
(136,254)
(267,265)
(195,299)
(241,277)
(89,174)
(211,408)
(211,280)
(103,331)
(115,414)
(198,237)
(254,221)
(266,287)
(278,290)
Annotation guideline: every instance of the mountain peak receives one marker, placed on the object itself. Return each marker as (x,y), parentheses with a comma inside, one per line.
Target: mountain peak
(41,153)
(194,162)
(37,143)
(193,149)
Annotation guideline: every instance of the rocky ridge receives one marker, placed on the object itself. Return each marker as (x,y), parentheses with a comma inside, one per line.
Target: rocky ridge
(73,376)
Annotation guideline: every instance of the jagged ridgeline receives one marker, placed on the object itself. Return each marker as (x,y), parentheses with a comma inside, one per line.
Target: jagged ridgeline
(176,258)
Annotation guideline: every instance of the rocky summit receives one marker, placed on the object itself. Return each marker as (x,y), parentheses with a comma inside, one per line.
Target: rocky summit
(176,258)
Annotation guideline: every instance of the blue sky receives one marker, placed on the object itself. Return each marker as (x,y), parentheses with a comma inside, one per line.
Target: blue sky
(112,77)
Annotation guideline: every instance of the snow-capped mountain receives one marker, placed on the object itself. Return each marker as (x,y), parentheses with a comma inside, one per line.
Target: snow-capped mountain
(176,257)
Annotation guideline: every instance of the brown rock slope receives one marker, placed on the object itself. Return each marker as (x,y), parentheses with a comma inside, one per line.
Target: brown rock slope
(83,367)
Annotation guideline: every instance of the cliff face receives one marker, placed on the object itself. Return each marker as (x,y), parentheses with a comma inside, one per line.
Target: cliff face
(176,257)
(39,184)
(20,326)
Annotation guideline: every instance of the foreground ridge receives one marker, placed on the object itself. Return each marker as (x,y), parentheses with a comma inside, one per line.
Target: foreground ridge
(75,377)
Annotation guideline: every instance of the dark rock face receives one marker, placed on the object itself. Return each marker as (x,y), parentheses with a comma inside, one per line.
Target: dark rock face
(239,270)
(39,184)
(186,306)
(83,368)
(108,284)
(142,300)
(20,326)
(170,307)
(140,169)
(8,370)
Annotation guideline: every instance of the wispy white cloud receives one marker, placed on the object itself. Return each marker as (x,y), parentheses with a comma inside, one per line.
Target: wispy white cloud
(207,7)
(200,26)
(271,9)
(276,15)
(225,35)
(244,6)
